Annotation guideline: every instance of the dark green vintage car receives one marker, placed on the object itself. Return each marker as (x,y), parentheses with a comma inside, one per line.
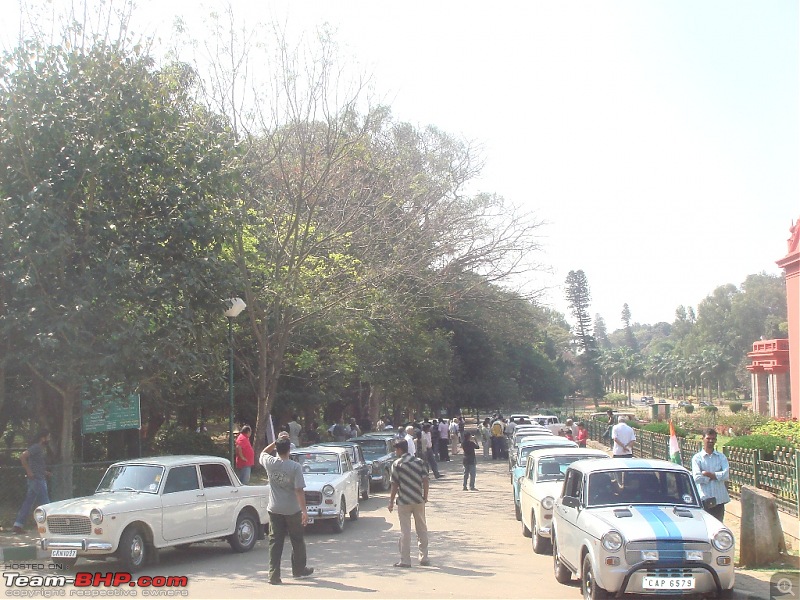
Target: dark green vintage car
(379,455)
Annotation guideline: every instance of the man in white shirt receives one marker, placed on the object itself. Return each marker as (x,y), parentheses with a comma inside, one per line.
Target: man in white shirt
(412,447)
(444,441)
(624,437)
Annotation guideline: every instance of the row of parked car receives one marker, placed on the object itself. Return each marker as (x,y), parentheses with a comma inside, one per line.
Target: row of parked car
(619,525)
(143,505)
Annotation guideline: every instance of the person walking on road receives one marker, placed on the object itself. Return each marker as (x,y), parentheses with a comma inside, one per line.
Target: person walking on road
(294,431)
(486,436)
(497,438)
(427,450)
(245,455)
(444,441)
(710,470)
(453,437)
(410,483)
(287,508)
(34,460)
(469,446)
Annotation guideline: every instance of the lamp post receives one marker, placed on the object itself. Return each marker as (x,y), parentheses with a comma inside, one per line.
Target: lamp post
(235,306)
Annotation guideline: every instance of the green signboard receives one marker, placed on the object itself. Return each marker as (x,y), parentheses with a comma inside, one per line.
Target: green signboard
(111,414)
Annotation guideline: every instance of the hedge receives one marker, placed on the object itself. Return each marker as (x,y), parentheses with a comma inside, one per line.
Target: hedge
(765,443)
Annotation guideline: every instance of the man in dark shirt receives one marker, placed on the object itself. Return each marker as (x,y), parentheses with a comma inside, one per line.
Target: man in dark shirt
(469,446)
(410,487)
(34,459)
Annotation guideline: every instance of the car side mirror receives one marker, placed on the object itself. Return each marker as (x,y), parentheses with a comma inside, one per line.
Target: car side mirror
(571,501)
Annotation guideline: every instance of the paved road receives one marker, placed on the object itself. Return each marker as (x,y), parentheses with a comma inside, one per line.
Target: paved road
(477,550)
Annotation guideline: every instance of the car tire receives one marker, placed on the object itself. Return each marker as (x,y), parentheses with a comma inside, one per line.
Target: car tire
(133,550)
(525,531)
(562,573)
(338,522)
(365,491)
(540,545)
(589,587)
(245,535)
(517,511)
(355,512)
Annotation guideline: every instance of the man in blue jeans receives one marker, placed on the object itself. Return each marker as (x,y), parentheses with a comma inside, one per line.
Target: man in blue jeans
(34,459)
(469,446)
(287,508)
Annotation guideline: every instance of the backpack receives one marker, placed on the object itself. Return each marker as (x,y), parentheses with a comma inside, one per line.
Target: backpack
(497,429)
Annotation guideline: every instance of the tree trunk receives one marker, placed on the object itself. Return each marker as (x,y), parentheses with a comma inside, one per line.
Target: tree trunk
(62,476)
(375,402)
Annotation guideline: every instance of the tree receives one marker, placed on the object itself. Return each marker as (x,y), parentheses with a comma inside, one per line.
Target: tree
(630,339)
(579,299)
(601,333)
(111,178)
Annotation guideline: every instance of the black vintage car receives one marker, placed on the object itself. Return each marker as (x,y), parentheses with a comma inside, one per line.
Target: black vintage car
(379,454)
(358,460)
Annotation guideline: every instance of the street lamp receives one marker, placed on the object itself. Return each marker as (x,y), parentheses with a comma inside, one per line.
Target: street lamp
(235,306)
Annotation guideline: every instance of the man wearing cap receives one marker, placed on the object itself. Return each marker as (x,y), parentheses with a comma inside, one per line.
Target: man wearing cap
(410,487)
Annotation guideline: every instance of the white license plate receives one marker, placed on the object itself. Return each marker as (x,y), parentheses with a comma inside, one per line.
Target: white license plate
(668,583)
(310,521)
(63,554)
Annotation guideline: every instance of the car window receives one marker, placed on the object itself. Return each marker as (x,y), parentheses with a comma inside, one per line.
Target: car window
(133,478)
(641,487)
(318,462)
(574,484)
(181,479)
(214,475)
(346,464)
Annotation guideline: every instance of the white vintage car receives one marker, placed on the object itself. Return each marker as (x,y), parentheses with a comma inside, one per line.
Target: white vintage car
(332,487)
(637,526)
(150,503)
(550,421)
(541,485)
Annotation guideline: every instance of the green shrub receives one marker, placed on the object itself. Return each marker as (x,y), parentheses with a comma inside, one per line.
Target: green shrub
(787,430)
(689,409)
(176,440)
(710,409)
(604,408)
(663,428)
(616,399)
(742,423)
(735,407)
(765,443)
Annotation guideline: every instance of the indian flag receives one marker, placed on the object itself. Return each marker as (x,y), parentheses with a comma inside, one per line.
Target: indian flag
(674,448)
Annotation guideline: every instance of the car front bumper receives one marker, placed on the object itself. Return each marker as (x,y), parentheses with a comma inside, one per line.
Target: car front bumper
(84,546)
(630,580)
(319,512)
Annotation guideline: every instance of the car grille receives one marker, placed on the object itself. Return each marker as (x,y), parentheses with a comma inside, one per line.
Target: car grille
(668,550)
(313,498)
(69,525)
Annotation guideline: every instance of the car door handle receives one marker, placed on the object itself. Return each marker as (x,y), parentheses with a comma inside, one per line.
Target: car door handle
(200,495)
(234,491)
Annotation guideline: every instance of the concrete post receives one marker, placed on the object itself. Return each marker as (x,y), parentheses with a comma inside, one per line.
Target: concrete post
(761,541)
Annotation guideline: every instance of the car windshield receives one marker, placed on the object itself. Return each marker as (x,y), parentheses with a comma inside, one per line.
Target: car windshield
(641,487)
(318,462)
(132,478)
(373,448)
(553,468)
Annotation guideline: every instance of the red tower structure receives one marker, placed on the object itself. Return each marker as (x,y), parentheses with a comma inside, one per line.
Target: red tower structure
(791,267)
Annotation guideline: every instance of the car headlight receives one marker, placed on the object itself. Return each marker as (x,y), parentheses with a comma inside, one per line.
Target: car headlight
(612,541)
(39,515)
(694,555)
(547,503)
(328,490)
(723,540)
(96,516)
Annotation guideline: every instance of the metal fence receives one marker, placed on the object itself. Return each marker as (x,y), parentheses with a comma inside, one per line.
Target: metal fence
(778,476)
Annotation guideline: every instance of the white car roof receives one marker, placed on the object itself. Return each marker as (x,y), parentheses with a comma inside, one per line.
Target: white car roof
(555,440)
(173,460)
(321,450)
(546,452)
(627,464)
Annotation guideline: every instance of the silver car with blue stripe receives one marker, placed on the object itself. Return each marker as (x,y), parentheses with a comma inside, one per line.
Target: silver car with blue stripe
(638,526)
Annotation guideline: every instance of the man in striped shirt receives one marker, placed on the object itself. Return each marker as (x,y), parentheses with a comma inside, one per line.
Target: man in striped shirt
(410,487)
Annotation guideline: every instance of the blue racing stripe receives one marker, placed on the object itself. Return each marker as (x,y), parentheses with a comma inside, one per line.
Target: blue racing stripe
(672,532)
(638,464)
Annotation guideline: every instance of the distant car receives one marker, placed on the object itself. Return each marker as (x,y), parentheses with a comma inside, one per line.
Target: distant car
(150,503)
(637,526)
(684,403)
(550,421)
(541,485)
(357,460)
(528,431)
(332,487)
(525,448)
(647,400)
(379,454)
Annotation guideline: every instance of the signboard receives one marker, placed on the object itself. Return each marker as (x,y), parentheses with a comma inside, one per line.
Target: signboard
(111,414)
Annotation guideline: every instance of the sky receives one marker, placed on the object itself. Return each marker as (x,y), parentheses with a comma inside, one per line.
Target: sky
(656,139)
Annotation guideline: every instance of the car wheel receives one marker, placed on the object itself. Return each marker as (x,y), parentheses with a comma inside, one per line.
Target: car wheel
(365,490)
(539,544)
(245,535)
(338,522)
(591,591)
(525,531)
(517,511)
(562,573)
(133,549)
(386,484)
(354,513)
